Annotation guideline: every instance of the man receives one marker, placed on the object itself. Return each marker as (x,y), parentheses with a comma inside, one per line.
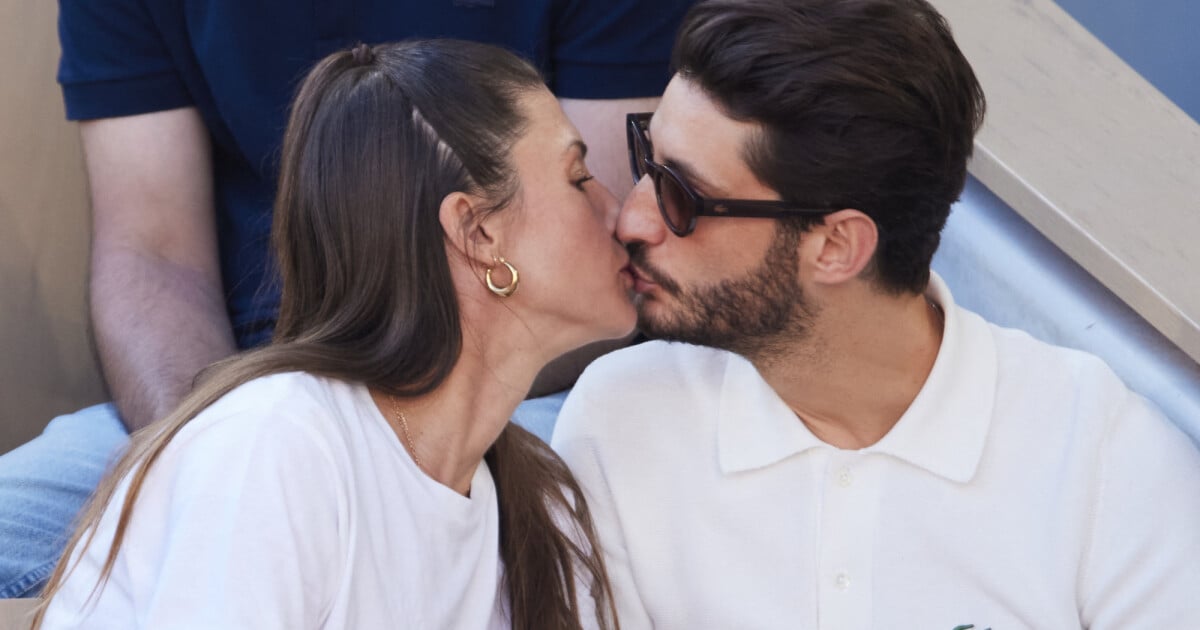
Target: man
(182,108)
(866,454)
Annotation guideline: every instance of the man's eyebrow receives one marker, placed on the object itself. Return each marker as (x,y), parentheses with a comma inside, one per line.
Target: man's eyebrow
(693,178)
(685,170)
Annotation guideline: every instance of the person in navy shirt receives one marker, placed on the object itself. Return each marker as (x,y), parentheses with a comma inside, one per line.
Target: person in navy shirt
(182,107)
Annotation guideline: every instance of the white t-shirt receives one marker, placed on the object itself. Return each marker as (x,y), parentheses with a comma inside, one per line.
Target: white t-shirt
(1025,487)
(291,504)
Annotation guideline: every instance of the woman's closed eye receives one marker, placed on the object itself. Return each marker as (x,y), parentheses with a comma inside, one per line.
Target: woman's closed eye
(578,183)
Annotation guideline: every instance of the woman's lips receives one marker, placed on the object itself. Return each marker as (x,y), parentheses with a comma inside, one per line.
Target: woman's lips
(628,276)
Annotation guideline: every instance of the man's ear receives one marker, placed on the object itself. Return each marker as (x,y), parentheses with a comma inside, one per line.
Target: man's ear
(843,246)
(467,230)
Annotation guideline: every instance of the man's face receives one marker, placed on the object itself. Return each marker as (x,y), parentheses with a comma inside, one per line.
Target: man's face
(734,282)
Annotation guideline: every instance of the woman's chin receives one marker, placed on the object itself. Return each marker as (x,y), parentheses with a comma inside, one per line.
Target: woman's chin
(612,333)
(617,320)
(608,325)
(623,326)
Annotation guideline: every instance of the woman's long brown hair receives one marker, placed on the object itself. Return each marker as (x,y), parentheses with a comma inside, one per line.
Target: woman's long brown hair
(377,137)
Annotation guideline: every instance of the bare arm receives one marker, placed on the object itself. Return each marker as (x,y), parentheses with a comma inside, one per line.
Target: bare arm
(602,124)
(157,305)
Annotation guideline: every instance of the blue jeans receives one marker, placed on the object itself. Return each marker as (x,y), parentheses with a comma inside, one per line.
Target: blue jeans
(45,482)
(538,414)
(43,485)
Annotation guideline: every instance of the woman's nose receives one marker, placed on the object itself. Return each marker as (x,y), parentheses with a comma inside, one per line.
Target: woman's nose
(605,203)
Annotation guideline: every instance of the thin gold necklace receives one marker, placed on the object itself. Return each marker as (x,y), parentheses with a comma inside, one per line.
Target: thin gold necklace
(412,448)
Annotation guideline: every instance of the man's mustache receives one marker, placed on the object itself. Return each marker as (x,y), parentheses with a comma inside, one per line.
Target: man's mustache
(637,258)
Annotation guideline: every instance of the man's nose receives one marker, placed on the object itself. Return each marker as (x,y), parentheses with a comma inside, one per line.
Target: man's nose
(640,220)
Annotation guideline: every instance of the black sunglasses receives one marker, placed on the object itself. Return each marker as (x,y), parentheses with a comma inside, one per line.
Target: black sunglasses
(678,202)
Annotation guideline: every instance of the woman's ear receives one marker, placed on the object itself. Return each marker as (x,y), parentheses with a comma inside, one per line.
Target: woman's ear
(844,246)
(467,228)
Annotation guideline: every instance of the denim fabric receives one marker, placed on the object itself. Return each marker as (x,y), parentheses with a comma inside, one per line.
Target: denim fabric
(43,485)
(539,414)
(45,482)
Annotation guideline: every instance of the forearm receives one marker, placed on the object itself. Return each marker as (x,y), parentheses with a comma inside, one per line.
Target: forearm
(158,313)
(157,324)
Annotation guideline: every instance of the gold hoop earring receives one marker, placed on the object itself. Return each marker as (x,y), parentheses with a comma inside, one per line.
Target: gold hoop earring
(512,286)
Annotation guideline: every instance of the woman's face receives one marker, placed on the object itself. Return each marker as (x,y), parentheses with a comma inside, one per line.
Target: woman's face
(573,276)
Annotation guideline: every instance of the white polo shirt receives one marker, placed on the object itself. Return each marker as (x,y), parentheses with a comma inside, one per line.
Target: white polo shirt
(1026,487)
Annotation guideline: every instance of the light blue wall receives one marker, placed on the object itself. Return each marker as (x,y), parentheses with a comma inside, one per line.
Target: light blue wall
(1001,267)
(1158,38)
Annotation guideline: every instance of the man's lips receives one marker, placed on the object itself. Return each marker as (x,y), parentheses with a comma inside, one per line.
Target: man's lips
(641,282)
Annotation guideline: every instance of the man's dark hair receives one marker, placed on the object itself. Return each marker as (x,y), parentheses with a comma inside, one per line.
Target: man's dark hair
(864,104)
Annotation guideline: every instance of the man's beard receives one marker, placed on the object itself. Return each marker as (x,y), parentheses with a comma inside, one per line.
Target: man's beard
(754,316)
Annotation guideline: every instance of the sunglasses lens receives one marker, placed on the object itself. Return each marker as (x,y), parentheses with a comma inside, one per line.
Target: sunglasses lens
(636,139)
(675,203)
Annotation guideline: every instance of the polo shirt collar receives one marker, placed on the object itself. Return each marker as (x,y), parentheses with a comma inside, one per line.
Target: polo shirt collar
(755,428)
(943,431)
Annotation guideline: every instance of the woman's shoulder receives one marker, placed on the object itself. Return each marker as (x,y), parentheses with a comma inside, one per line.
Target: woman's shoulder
(296,412)
(284,398)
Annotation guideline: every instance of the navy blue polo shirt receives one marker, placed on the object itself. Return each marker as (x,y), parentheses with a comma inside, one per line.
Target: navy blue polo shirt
(239,62)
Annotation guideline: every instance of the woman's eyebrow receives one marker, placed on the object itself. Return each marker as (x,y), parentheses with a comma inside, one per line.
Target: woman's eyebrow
(580,144)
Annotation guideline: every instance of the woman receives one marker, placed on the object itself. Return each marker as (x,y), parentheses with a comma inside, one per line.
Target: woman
(439,239)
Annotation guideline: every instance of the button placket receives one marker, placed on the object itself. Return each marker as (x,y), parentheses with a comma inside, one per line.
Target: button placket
(842,581)
(848,514)
(845,477)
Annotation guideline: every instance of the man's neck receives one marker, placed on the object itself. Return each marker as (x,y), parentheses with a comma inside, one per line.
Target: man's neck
(860,368)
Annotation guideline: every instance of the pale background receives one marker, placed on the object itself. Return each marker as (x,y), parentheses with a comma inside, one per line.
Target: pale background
(47,366)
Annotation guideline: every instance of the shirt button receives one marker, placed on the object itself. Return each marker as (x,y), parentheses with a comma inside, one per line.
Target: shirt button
(842,582)
(845,478)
